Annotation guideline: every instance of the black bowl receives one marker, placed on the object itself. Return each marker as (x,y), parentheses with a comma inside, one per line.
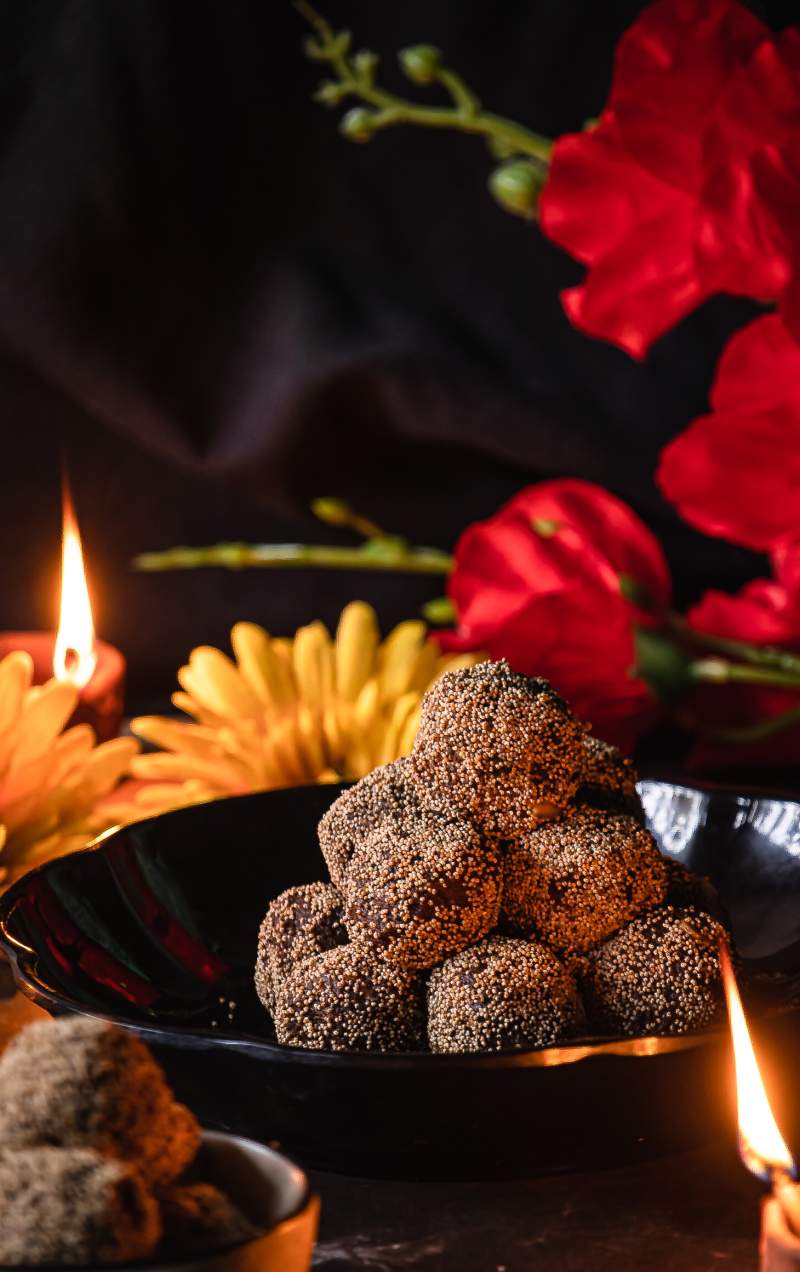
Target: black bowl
(155,928)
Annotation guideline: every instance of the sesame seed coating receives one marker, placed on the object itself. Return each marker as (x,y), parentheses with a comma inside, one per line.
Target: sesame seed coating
(497,745)
(575,881)
(501,995)
(299,923)
(609,780)
(415,899)
(386,795)
(659,975)
(345,1000)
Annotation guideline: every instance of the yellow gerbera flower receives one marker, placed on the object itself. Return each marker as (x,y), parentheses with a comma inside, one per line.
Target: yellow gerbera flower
(51,781)
(289,711)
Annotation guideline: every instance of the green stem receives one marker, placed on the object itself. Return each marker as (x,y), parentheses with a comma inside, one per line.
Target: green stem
(466,101)
(718,671)
(375,554)
(513,137)
(466,114)
(759,655)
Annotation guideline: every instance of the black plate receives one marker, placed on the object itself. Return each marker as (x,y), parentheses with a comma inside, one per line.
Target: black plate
(156,927)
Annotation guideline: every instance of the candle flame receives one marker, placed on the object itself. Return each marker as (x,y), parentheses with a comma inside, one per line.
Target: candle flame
(74,657)
(761,1145)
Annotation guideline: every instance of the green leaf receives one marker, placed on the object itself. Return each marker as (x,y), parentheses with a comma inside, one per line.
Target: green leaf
(660,662)
(635,591)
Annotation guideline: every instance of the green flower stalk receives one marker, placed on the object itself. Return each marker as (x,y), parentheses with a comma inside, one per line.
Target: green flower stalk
(375,554)
(378,551)
(353,76)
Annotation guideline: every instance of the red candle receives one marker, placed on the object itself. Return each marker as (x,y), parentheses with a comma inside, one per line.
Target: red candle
(101,698)
(74,654)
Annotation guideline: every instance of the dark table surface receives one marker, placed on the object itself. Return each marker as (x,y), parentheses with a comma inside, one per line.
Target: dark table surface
(689,1213)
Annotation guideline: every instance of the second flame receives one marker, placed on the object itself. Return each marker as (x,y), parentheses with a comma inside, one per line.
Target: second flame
(761,1145)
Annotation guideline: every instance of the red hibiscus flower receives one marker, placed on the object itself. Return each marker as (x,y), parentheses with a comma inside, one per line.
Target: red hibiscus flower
(736,473)
(557,582)
(658,199)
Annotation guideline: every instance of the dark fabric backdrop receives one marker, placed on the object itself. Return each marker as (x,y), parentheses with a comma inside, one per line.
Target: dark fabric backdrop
(220,309)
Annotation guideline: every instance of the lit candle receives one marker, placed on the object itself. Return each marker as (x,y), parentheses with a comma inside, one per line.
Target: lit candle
(75,653)
(761,1145)
(95,668)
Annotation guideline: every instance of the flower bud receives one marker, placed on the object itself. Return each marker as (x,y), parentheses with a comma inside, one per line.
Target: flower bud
(357,124)
(365,63)
(516,186)
(330,93)
(334,512)
(420,63)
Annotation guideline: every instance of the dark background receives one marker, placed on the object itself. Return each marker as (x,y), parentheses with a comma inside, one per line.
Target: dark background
(220,309)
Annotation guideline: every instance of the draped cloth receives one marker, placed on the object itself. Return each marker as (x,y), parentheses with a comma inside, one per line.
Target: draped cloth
(218,309)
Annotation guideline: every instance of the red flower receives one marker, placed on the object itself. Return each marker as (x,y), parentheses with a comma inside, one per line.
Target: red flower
(765,612)
(658,199)
(736,473)
(556,582)
(752,157)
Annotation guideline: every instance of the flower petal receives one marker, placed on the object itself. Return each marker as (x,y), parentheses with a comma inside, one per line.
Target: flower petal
(736,473)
